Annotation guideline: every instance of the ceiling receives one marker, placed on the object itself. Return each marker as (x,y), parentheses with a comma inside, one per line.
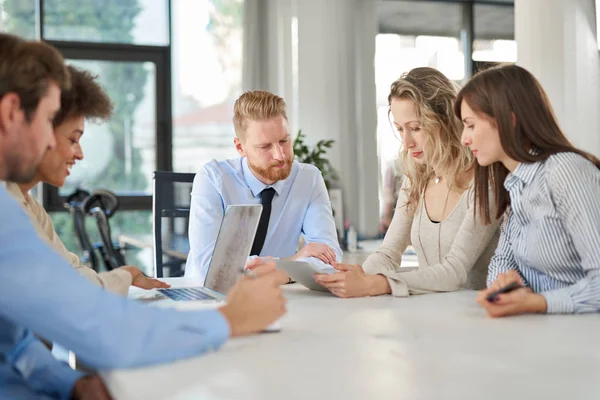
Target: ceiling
(493,19)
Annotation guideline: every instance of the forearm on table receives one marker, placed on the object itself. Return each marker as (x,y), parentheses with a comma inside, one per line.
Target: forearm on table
(379,285)
(382,261)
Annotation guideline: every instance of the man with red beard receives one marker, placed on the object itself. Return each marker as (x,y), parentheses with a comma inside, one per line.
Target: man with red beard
(294,197)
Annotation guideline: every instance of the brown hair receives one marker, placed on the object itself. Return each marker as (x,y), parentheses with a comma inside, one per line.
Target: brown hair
(27,68)
(257,105)
(513,99)
(433,94)
(85,98)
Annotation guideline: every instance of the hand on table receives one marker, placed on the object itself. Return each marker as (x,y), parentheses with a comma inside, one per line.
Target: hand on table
(138,279)
(254,303)
(519,301)
(352,281)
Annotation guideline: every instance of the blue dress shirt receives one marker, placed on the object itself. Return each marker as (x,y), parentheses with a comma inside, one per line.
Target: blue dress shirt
(551,235)
(40,292)
(301,206)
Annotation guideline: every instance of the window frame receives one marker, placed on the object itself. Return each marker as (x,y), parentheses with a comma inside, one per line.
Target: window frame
(160,56)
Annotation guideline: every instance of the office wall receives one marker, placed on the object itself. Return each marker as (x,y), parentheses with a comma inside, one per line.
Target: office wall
(336,97)
(556,41)
(319,55)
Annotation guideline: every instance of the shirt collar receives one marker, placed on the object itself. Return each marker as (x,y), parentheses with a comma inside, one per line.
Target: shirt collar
(255,185)
(524,173)
(16,192)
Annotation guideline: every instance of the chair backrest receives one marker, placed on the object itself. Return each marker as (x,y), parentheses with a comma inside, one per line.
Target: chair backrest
(171,210)
(74,204)
(102,204)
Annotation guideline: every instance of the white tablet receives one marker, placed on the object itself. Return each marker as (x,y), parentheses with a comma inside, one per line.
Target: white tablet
(302,272)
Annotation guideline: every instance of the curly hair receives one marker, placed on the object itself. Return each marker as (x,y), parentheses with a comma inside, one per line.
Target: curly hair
(85,98)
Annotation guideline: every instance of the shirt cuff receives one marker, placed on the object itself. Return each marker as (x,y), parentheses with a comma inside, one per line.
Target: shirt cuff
(39,367)
(399,289)
(120,281)
(558,302)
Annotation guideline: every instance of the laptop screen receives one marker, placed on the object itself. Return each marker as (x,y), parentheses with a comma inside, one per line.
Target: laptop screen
(233,246)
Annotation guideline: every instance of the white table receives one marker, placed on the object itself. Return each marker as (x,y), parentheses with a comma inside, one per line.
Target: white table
(438,346)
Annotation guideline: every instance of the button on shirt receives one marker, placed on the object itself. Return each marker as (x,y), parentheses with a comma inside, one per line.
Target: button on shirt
(40,292)
(552,233)
(301,206)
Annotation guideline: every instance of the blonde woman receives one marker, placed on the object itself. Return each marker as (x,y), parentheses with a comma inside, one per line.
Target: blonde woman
(435,205)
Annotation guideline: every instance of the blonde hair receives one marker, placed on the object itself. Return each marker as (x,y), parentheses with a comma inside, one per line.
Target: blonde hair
(434,96)
(257,105)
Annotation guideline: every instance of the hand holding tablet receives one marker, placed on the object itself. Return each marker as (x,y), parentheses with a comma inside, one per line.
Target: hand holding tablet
(302,272)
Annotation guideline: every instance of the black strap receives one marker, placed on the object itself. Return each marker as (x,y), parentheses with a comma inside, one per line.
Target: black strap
(266,197)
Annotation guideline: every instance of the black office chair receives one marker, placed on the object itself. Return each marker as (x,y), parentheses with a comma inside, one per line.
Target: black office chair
(102,204)
(73,203)
(171,201)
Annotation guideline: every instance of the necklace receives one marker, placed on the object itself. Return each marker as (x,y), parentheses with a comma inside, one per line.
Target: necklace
(439,236)
(437,179)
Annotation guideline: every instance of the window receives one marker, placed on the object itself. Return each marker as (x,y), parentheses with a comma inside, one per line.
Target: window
(110,21)
(494,35)
(207,78)
(19,17)
(127,44)
(120,155)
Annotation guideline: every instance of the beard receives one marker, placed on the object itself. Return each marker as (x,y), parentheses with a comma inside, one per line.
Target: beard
(16,171)
(274,172)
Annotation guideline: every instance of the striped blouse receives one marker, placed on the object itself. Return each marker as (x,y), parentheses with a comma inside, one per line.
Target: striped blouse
(551,235)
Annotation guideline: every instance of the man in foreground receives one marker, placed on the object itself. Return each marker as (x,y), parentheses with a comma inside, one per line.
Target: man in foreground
(41,293)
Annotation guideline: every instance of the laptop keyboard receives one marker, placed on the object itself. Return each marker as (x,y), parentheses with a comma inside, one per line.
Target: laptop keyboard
(183,294)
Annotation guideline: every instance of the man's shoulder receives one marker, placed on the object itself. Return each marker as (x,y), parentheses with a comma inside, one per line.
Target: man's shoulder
(11,213)
(6,198)
(306,175)
(222,167)
(219,174)
(219,171)
(307,169)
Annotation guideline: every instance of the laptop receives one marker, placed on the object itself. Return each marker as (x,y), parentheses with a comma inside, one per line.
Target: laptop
(229,257)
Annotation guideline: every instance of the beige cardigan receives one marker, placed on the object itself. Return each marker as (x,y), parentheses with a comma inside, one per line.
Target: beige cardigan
(116,281)
(465,248)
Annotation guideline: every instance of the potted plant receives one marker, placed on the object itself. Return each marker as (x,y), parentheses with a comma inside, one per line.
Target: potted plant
(316,157)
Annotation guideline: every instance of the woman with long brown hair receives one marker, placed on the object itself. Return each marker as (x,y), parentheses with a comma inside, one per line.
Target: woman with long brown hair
(435,204)
(550,191)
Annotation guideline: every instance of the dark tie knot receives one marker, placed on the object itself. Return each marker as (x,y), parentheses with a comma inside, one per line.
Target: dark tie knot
(266,196)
